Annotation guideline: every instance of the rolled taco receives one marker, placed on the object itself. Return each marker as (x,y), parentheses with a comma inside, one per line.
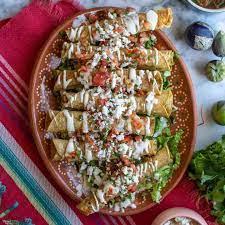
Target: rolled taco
(125,25)
(140,57)
(86,150)
(151,104)
(132,80)
(98,199)
(76,121)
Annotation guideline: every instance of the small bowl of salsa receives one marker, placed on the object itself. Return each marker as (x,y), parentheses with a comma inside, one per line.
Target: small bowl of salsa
(179,216)
(209,5)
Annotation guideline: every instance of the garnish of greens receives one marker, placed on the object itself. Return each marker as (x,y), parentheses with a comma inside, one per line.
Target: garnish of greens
(162,134)
(215,70)
(166,83)
(208,170)
(150,42)
(162,175)
(218,112)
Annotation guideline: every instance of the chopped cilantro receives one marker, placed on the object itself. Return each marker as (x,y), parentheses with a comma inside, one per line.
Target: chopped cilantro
(151,42)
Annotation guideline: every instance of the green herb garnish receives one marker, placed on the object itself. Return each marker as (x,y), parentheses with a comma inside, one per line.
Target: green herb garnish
(151,42)
(208,170)
(162,175)
(166,83)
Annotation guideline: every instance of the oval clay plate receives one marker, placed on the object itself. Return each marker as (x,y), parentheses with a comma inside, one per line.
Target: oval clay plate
(41,99)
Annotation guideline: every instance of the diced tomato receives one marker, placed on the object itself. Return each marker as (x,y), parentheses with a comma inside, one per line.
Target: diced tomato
(111,133)
(102,101)
(133,167)
(137,138)
(104,62)
(92,18)
(119,29)
(128,139)
(125,160)
(110,191)
(89,140)
(84,68)
(137,123)
(103,42)
(143,34)
(140,93)
(132,188)
(73,154)
(133,50)
(146,25)
(133,38)
(117,89)
(100,78)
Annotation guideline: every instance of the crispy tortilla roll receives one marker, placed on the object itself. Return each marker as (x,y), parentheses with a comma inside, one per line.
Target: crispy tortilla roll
(99,199)
(74,150)
(131,79)
(132,23)
(160,105)
(74,121)
(151,59)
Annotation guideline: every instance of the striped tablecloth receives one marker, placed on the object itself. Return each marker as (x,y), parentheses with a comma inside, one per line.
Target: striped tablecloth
(28,195)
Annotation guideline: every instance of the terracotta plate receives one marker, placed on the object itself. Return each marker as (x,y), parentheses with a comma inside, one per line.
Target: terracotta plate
(41,98)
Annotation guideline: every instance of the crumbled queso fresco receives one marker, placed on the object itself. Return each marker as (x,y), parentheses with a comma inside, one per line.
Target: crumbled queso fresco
(181,221)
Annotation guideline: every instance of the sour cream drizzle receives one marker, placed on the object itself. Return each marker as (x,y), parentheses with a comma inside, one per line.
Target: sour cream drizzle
(150,100)
(70,51)
(82,95)
(79,32)
(86,98)
(70,146)
(96,206)
(147,126)
(85,122)
(65,81)
(90,33)
(132,23)
(69,121)
(73,33)
(152,18)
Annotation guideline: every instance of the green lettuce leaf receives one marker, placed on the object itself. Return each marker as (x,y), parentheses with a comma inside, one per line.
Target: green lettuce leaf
(208,170)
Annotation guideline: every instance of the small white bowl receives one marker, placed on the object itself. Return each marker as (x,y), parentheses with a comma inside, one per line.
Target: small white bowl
(172,213)
(205,9)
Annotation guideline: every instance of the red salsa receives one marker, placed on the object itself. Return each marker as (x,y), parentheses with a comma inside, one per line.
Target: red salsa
(210,4)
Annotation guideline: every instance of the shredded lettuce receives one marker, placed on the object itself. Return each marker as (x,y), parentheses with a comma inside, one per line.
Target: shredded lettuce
(162,175)
(150,42)
(166,83)
(208,170)
(160,124)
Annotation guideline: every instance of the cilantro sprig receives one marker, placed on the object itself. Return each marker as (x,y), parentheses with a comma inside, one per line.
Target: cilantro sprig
(151,42)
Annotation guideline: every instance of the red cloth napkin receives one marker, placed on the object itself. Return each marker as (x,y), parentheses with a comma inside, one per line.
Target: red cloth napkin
(20,41)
